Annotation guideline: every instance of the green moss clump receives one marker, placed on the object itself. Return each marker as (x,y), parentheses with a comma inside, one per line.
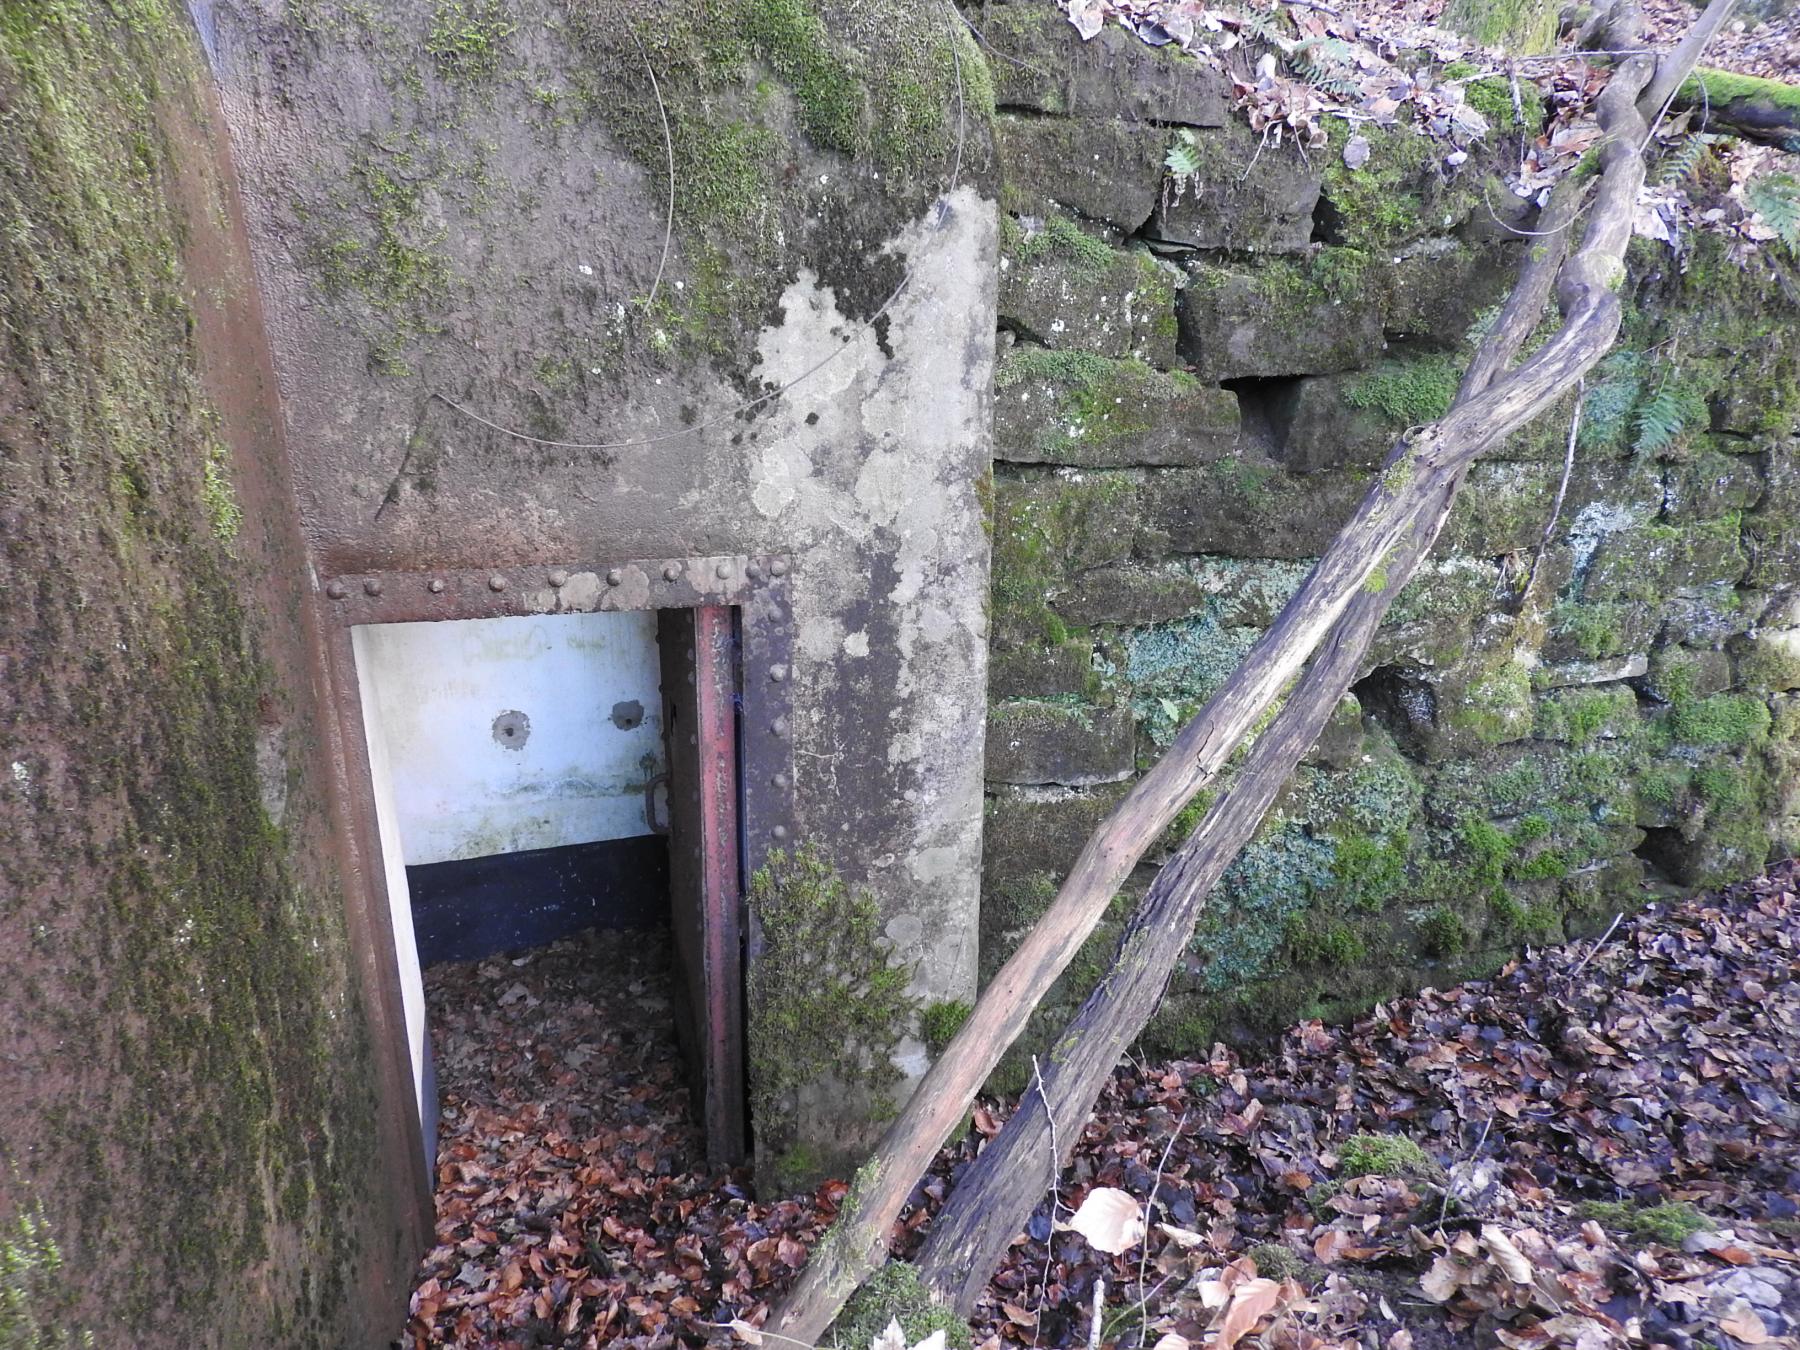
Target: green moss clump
(468,37)
(1318,940)
(894,1294)
(1668,1224)
(1276,1262)
(1410,393)
(1383,1155)
(1493,99)
(1442,932)
(1580,716)
(825,1003)
(1061,238)
(939,1022)
(1737,720)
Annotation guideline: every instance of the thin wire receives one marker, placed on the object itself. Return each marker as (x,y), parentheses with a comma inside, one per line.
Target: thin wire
(810,371)
(669,147)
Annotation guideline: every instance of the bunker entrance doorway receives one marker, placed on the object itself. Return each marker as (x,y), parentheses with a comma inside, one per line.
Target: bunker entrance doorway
(535,777)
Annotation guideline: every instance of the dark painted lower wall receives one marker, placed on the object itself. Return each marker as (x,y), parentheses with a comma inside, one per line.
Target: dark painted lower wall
(189,1147)
(470,908)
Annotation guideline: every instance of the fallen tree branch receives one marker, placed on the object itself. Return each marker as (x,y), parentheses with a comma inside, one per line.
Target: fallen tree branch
(1418,485)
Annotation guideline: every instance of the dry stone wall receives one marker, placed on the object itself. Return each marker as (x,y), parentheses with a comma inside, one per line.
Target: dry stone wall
(1196,380)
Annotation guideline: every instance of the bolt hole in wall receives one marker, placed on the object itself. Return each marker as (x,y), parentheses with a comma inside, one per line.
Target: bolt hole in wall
(521,769)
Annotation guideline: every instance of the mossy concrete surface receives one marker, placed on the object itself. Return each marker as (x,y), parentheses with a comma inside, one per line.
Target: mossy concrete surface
(190,1110)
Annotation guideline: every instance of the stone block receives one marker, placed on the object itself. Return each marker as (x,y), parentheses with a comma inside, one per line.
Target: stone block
(1649,562)
(1071,291)
(1675,672)
(1246,196)
(1105,169)
(1598,631)
(1574,674)
(1438,288)
(1129,594)
(1245,510)
(1770,660)
(1038,671)
(1034,743)
(1502,508)
(1277,319)
(1045,67)
(1075,409)
(1772,543)
(1037,831)
(1709,485)
(1340,744)
(1333,421)
(1471,706)
(1710,615)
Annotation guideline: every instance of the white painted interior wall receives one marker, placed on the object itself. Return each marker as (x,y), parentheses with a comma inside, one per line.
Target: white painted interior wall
(460,789)
(393,866)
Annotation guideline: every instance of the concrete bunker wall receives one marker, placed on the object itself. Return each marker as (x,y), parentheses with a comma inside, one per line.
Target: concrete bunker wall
(192,1150)
(498,365)
(1193,389)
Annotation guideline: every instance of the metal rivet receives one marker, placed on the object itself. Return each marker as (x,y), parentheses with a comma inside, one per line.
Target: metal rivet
(780,832)
(780,726)
(778,567)
(754,571)
(559,578)
(672,572)
(778,673)
(337,590)
(722,571)
(496,582)
(435,585)
(371,587)
(780,780)
(614,577)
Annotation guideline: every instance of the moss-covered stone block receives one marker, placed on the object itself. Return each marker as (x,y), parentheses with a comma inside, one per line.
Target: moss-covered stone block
(1475,705)
(1437,289)
(1036,670)
(1044,66)
(1075,408)
(1503,508)
(1281,318)
(1710,485)
(1130,594)
(1047,528)
(1579,633)
(1038,831)
(1333,421)
(1648,562)
(1582,715)
(1244,194)
(1069,290)
(1340,744)
(1100,167)
(1247,510)
(1574,674)
(1034,742)
(1709,616)
(1676,673)
(1769,660)
(1772,543)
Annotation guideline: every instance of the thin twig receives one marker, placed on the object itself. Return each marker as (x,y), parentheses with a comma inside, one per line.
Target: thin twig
(757,402)
(669,148)
(1594,950)
(1562,490)
(1488,202)
(1444,1208)
(1056,1205)
(1099,1307)
(1144,1254)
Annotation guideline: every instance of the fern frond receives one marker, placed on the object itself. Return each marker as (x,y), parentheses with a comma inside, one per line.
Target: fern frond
(1683,162)
(1183,157)
(1264,26)
(1663,417)
(1776,198)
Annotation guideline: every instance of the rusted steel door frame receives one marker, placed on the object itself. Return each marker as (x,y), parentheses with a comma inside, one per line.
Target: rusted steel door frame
(754,590)
(715,703)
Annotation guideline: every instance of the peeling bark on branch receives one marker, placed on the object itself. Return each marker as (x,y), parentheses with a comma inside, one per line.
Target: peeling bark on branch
(1397,521)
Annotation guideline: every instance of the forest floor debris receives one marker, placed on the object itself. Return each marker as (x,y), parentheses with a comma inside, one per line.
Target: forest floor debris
(1598,1147)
